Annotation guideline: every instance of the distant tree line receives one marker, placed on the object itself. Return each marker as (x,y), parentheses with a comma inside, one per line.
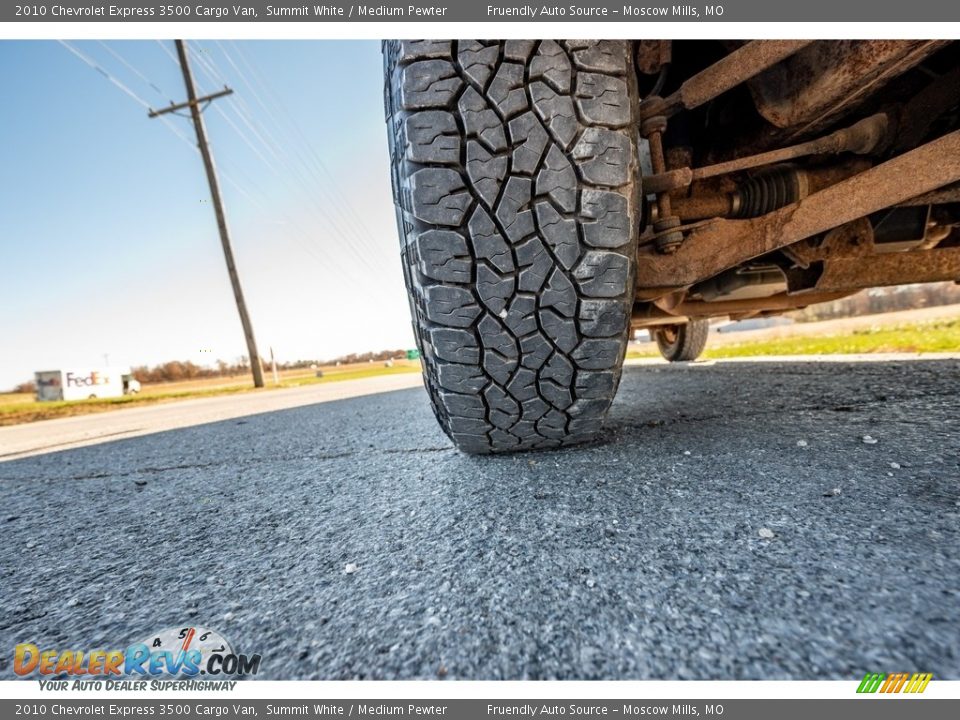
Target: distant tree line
(882,300)
(378,356)
(179,370)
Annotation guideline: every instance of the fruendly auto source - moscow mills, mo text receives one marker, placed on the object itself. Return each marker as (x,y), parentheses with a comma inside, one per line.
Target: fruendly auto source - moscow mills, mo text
(586,10)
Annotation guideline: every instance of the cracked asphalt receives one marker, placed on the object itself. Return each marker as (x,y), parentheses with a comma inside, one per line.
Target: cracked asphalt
(734,524)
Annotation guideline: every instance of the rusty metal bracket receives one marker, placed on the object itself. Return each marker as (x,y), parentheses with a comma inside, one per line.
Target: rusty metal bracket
(724,244)
(854,239)
(653,55)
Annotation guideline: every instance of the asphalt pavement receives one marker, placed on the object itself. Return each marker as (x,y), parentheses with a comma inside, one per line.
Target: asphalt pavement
(775,520)
(37,438)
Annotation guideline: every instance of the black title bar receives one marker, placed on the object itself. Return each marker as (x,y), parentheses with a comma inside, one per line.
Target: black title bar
(639,11)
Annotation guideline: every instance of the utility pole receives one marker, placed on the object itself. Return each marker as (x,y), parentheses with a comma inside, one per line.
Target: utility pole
(273,363)
(194,103)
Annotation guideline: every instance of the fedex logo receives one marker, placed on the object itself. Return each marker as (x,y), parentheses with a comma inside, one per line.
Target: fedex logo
(93,378)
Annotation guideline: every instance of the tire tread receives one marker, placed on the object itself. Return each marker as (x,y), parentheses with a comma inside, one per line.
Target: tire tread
(514,179)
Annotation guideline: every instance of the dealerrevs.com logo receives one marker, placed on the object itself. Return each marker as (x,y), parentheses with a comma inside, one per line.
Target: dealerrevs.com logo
(176,652)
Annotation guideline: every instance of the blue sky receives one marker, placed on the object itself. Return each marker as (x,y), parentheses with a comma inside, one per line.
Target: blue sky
(108,243)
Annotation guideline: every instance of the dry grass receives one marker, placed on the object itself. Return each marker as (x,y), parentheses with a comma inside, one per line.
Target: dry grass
(926,337)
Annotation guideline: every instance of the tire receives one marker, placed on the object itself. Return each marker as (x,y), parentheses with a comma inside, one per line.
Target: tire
(515,178)
(683,343)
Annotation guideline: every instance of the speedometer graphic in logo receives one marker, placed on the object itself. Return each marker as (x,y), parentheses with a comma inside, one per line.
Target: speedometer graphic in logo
(192,644)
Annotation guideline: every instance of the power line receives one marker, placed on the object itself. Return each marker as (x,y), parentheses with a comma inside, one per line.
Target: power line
(170,126)
(266,137)
(228,177)
(127,91)
(301,236)
(316,250)
(131,68)
(107,75)
(278,103)
(340,203)
(358,247)
(173,58)
(344,202)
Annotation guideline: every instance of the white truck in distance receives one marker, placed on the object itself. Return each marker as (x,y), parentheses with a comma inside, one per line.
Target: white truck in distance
(85,384)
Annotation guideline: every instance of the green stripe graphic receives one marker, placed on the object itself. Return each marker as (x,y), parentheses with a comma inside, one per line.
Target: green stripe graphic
(870,683)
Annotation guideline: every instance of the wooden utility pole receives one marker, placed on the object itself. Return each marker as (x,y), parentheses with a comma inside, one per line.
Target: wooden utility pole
(194,103)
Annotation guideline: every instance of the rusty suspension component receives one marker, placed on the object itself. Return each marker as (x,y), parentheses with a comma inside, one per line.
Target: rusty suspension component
(722,244)
(949,194)
(819,84)
(725,74)
(668,235)
(742,201)
(860,138)
(889,269)
(651,314)
(734,69)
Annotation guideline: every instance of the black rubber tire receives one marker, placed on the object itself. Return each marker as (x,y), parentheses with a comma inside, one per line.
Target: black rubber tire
(515,176)
(683,343)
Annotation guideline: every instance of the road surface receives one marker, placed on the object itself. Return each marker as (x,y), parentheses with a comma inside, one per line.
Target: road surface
(774,520)
(17,441)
